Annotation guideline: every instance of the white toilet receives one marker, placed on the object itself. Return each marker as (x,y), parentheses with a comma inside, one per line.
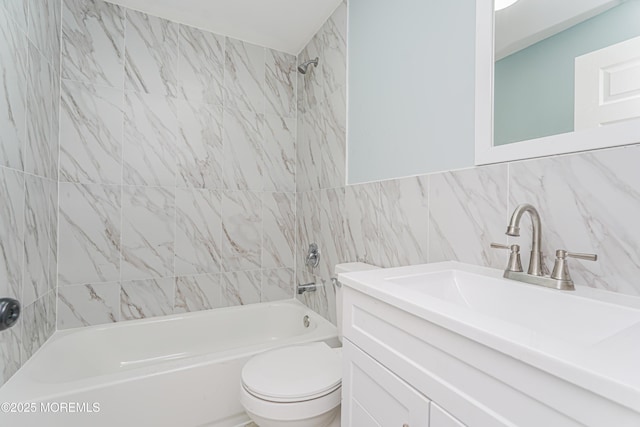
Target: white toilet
(298,386)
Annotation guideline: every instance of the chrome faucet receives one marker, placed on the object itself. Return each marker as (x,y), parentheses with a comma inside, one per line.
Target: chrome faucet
(536,262)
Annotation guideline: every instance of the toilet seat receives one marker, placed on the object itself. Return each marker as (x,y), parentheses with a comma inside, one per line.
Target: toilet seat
(294,374)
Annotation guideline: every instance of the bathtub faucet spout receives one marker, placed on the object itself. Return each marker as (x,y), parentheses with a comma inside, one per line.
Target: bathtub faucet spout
(307,287)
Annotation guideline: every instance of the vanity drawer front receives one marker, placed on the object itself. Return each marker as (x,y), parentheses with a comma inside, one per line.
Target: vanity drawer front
(478,385)
(374,396)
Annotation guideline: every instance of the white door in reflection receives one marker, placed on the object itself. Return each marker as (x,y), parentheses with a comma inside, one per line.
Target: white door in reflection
(608,85)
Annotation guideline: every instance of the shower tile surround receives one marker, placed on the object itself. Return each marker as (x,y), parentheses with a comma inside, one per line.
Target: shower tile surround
(177,168)
(178,188)
(30,68)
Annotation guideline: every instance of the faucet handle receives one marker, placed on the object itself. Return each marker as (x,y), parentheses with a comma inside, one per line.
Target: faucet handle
(515,264)
(561,253)
(561,270)
(500,246)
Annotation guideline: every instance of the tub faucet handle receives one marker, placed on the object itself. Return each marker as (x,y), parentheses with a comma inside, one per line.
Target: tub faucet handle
(313,256)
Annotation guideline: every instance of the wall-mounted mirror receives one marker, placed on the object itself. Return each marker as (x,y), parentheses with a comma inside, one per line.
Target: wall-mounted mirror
(556,76)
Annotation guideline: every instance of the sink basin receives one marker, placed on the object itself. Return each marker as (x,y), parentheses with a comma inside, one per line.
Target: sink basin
(561,314)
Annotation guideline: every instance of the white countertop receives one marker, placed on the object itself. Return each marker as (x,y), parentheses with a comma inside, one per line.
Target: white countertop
(588,337)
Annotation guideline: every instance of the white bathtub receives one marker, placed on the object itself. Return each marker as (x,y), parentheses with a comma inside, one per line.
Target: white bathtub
(178,371)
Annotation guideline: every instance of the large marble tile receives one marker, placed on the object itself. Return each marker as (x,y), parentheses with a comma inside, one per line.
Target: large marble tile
(277,284)
(150,133)
(198,247)
(91,126)
(333,139)
(54,141)
(334,240)
(404,221)
(50,317)
(243,150)
(151,54)
(241,288)
(10,344)
(89,234)
(44,29)
(244,76)
(279,154)
(588,202)
(199,145)
(11,232)
(93,42)
(52,201)
(13,69)
(334,58)
(280,75)
(279,222)
(148,228)
(36,240)
(241,230)
(18,10)
(467,212)
(309,151)
(201,66)
(361,224)
(195,293)
(140,299)
(88,305)
(38,323)
(40,108)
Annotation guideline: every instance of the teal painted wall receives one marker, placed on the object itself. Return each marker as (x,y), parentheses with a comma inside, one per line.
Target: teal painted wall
(534,88)
(411,87)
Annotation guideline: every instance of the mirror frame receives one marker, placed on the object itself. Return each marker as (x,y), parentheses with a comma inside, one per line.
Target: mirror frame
(612,135)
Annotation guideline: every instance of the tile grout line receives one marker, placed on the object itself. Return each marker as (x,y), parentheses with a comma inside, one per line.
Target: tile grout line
(175,178)
(122,147)
(57,173)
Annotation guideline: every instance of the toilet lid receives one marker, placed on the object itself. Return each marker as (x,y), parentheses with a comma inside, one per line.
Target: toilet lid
(293,374)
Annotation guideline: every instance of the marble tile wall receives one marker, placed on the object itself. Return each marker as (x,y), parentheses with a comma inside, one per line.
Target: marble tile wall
(589,202)
(177,168)
(30,72)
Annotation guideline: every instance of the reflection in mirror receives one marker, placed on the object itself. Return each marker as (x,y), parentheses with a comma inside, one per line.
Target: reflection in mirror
(565,65)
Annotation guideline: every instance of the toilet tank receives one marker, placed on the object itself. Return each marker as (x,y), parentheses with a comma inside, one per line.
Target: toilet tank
(348,267)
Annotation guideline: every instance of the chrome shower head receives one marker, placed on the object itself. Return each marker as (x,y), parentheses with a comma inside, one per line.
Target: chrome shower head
(302,68)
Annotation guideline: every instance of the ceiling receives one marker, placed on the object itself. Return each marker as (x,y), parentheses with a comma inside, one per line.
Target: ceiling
(530,21)
(284,25)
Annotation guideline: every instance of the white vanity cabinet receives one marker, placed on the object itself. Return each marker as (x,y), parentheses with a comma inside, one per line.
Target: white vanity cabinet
(404,369)
(375,396)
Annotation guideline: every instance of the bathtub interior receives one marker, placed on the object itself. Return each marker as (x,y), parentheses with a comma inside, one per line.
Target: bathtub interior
(104,350)
(78,360)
